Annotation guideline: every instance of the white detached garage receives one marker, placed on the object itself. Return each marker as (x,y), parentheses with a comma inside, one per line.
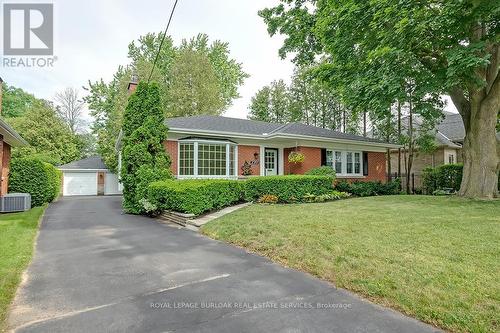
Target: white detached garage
(89,177)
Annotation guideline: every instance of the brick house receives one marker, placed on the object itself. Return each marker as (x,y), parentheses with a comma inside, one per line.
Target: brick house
(449,137)
(222,147)
(8,138)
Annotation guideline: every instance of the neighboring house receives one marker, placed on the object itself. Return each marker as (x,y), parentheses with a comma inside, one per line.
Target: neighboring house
(89,177)
(8,138)
(449,137)
(215,146)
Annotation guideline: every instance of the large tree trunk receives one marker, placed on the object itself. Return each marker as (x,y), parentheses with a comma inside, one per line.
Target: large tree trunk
(481,150)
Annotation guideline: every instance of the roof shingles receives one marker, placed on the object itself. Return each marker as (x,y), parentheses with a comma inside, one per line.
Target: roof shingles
(92,163)
(253,127)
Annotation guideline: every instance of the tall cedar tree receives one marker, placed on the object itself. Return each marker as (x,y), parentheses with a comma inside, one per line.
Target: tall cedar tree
(445,47)
(144,132)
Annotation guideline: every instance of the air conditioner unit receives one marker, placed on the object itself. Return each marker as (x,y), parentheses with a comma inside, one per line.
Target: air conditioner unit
(15,202)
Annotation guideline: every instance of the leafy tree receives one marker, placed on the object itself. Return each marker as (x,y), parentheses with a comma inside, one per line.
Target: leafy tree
(49,137)
(260,105)
(306,99)
(70,109)
(193,87)
(15,101)
(271,103)
(376,50)
(210,93)
(229,73)
(143,153)
(106,102)
(87,144)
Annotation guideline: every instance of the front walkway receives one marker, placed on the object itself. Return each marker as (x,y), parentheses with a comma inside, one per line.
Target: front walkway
(96,269)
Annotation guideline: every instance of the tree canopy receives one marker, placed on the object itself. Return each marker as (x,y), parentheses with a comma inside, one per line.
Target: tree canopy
(379,52)
(49,137)
(196,77)
(15,101)
(306,99)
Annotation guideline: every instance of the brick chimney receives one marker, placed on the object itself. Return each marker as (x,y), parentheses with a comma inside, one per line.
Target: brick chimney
(133,83)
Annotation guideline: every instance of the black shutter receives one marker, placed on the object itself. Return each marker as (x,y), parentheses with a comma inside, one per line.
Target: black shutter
(365,163)
(323,156)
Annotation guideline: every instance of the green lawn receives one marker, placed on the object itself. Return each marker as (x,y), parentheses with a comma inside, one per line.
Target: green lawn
(17,233)
(434,258)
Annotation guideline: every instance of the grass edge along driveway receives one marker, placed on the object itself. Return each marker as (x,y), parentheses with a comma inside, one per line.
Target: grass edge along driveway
(434,258)
(17,236)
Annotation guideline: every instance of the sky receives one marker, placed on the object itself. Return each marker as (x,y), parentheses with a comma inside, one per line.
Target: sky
(92,36)
(91,39)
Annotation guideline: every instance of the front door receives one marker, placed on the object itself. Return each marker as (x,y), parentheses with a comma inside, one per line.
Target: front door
(271,162)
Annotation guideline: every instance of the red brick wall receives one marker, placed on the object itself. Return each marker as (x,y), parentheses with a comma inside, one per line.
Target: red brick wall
(376,168)
(247,153)
(312,159)
(171,148)
(5,168)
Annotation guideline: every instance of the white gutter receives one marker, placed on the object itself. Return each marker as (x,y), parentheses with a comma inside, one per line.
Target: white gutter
(11,136)
(80,170)
(279,135)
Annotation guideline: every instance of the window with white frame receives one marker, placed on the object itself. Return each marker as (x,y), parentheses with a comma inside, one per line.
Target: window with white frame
(345,163)
(338,162)
(204,158)
(186,159)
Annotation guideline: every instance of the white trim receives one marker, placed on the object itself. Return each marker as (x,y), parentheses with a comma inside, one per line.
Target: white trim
(236,161)
(195,158)
(289,136)
(262,160)
(85,170)
(195,143)
(281,162)
(344,162)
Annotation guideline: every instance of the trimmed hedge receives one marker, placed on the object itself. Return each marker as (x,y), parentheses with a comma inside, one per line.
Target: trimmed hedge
(442,177)
(371,188)
(193,196)
(30,175)
(322,171)
(288,189)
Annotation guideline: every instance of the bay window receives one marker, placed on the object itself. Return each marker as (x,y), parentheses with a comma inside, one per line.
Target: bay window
(345,163)
(204,158)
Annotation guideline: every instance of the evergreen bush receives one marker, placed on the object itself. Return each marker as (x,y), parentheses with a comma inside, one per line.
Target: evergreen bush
(30,175)
(144,157)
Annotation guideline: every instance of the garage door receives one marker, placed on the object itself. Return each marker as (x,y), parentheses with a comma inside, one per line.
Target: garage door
(111,184)
(80,183)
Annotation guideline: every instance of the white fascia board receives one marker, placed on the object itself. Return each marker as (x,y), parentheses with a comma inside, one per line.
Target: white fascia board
(281,136)
(84,170)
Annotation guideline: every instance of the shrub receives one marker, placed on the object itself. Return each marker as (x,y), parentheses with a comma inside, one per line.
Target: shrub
(30,175)
(194,196)
(322,171)
(54,181)
(143,134)
(268,198)
(371,188)
(333,195)
(447,176)
(287,188)
(146,175)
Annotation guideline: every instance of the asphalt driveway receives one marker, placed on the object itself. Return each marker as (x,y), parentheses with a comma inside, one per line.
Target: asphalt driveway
(96,269)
